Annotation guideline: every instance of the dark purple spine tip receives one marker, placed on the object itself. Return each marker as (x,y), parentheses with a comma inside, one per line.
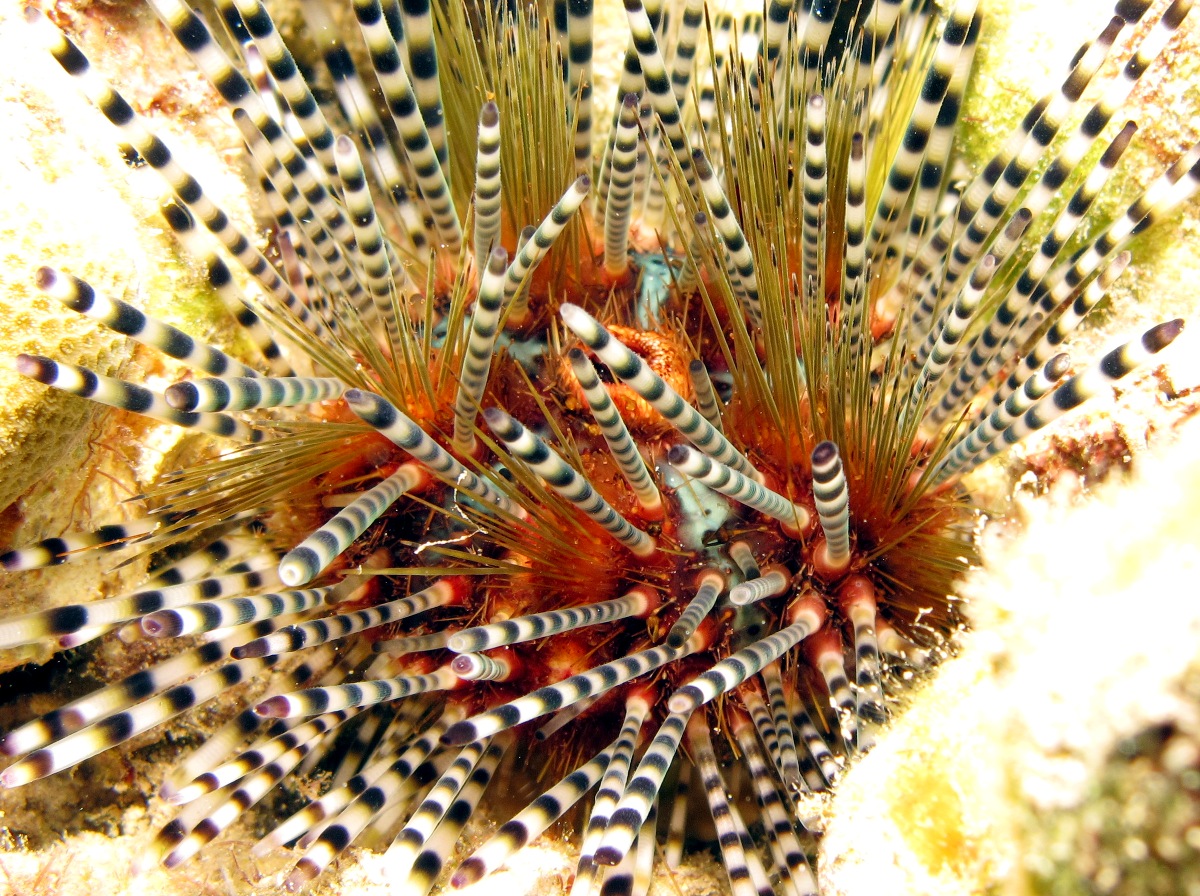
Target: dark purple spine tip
(489,115)
(696,366)
(460,734)
(584,183)
(182,396)
(354,396)
(498,260)
(1058,366)
(677,455)
(1159,337)
(1111,30)
(576,354)
(606,855)
(499,422)
(33,366)
(156,627)
(460,665)
(824,453)
(467,874)
(45,277)
(629,101)
(272,708)
(252,650)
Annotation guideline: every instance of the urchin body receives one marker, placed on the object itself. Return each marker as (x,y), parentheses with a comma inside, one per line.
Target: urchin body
(643,555)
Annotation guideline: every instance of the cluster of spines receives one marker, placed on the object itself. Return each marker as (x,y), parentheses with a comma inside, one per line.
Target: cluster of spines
(950,264)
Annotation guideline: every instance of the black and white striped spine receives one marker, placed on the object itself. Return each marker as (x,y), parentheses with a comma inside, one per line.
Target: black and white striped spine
(402,102)
(767,723)
(1058,331)
(313,556)
(618,206)
(422,56)
(121,317)
(854,251)
(129,397)
(807,617)
(710,585)
(773,582)
(741,553)
(540,458)
(290,83)
(208,616)
(616,435)
(832,498)
(249,791)
(565,693)
(732,484)
(53,551)
(218,277)
(115,697)
(726,820)
(429,863)
(402,431)
(612,785)
(858,601)
(827,653)
(309,634)
(658,87)
(788,759)
(415,752)
(635,373)
(531,821)
(707,401)
(426,818)
(732,237)
(255,573)
(387,282)
(941,344)
(413,644)
(120,727)
(642,790)
(1038,384)
(313,701)
(261,754)
(906,164)
(1114,366)
(244,393)
(815,187)
(487,186)
(785,846)
(482,667)
(538,244)
(814,743)
(481,346)
(636,602)
(156,153)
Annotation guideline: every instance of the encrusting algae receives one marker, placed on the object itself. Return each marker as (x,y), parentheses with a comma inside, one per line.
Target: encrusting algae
(566,446)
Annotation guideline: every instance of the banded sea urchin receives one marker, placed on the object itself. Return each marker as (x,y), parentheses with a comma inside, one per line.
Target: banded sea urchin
(609,558)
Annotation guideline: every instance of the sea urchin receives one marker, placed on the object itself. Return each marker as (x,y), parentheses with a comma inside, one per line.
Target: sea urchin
(613,438)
